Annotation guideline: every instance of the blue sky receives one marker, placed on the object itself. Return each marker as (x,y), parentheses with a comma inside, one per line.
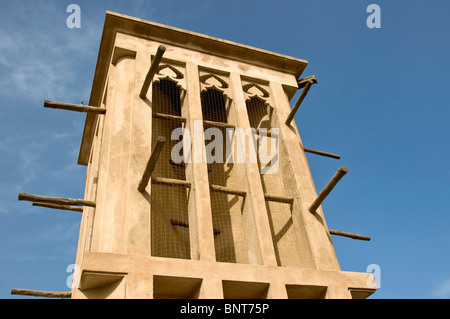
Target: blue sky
(382,103)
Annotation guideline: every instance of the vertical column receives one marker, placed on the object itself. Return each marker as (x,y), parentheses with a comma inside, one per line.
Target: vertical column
(139,284)
(277,290)
(256,191)
(95,163)
(138,204)
(98,219)
(87,221)
(189,173)
(211,288)
(315,227)
(202,219)
(113,184)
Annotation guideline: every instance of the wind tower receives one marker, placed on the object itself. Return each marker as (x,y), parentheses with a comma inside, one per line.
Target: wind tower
(197,181)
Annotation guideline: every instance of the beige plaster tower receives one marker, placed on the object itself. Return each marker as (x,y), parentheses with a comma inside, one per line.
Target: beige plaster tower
(197,181)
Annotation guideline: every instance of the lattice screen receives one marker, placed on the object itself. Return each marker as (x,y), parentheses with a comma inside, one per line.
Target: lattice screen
(232,225)
(169,202)
(278,203)
(227,189)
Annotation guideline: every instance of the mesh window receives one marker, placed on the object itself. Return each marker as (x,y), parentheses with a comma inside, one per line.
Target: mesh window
(227,207)
(280,213)
(169,202)
(214,106)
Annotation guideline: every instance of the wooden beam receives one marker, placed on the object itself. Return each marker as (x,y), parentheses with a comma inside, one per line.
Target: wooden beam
(55,200)
(302,82)
(278,198)
(349,235)
(170,181)
(182,164)
(186,225)
(268,132)
(160,141)
(163,116)
(179,223)
(299,101)
(327,189)
(56,206)
(38,293)
(218,124)
(74,107)
(228,190)
(309,150)
(152,71)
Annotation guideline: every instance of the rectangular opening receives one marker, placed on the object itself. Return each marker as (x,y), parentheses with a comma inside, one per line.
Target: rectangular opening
(230,238)
(170,239)
(169,201)
(244,290)
(278,195)
(228,191)
(166,287)
(306,292)
(284,239)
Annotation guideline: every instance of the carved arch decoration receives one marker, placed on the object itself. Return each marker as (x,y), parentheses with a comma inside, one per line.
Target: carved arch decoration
(172,72)
(258,93)
(252,90)
(214,81)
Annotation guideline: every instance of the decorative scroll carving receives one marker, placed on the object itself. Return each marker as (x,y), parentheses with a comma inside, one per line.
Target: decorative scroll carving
(255,94)
(171,72)
(252,90)
(213,81)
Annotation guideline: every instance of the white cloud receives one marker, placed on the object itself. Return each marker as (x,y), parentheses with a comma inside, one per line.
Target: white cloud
(442,290)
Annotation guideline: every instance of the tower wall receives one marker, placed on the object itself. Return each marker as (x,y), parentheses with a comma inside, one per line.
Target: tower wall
(233,232)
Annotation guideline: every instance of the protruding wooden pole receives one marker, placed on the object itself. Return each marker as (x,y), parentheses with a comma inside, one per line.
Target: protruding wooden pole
(55,206)
(55,200)
(349,235)
(218,124)
(152,71)
(300,100)
(278,198)
(186,225)
(228,190)
(308,150)
(328,188)
(151,163)
(169,117)
(171,182)
(302,82)
(74,107)
(38,293)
